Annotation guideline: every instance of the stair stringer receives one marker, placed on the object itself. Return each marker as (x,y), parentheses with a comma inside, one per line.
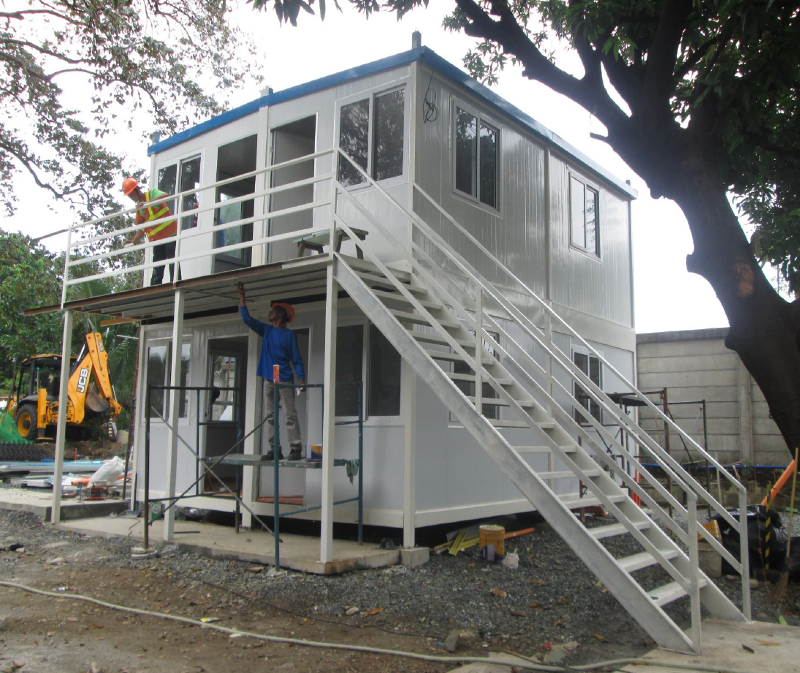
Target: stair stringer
(622,586)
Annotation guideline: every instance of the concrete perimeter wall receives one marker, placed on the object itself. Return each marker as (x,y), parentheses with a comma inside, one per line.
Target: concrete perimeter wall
(695,365)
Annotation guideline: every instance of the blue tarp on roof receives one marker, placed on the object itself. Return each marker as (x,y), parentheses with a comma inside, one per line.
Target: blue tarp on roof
(429,58)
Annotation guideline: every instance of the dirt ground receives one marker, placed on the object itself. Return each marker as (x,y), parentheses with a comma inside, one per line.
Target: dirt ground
(48,634)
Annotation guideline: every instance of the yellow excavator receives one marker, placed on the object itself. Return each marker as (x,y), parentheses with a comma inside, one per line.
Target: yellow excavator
(34,402)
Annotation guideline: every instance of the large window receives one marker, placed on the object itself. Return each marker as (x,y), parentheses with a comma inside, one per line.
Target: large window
(589,365)
(184,175)
(584,229)
(371,132)
(476,158)
(158,374)
(382,391)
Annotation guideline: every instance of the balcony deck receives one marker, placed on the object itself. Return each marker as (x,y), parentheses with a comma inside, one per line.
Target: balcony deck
(209,295)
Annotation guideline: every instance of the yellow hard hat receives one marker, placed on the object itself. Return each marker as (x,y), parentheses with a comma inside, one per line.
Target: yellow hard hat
(128,185)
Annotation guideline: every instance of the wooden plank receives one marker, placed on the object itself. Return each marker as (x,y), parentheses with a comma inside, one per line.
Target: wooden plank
(456,546)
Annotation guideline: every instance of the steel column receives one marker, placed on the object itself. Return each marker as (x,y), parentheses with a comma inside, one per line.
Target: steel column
(63,405)
(329,416)
(174,411)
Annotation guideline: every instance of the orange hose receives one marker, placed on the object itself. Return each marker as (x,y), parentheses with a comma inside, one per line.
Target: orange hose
(779,484)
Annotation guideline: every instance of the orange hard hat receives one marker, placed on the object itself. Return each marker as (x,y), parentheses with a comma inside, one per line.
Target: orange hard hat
(286,307)
(128,185)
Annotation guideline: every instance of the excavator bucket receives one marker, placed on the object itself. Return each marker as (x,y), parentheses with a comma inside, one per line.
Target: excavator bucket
(96,403)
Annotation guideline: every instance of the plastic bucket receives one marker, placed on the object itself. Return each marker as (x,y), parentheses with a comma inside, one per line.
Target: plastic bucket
(491,534)
(316,452)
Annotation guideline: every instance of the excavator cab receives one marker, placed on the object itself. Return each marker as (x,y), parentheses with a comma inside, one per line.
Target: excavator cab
(37,371)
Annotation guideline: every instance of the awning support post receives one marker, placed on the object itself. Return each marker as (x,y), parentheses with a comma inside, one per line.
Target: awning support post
(328,416)
(174,411)
(61,425)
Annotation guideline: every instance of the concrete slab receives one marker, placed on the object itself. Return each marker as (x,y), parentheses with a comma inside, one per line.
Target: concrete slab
(39,502)
(297,552)
(771,647)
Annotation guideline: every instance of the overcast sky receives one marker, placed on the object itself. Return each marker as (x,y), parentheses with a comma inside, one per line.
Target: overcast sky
(667,296)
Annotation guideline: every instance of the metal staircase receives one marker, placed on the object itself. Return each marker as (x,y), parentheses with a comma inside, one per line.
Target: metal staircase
(440,312)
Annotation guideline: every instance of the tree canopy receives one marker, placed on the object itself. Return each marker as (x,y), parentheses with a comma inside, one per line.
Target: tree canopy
(76,72)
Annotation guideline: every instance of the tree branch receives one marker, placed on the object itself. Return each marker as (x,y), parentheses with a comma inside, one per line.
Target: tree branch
(659,73)
(512,38)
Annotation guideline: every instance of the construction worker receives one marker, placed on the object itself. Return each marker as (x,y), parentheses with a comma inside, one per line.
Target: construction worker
(278,347)
(158,232)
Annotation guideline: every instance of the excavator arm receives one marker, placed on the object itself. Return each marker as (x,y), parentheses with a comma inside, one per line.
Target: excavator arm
(93,366)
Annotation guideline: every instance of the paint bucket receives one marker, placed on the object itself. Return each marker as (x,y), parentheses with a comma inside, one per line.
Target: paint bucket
(316,452)
(494,535)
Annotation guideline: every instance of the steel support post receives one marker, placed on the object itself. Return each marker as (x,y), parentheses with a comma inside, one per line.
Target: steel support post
(252,404)
(409,392)
(694,574)
(61,425)
(174,411)
(329,416)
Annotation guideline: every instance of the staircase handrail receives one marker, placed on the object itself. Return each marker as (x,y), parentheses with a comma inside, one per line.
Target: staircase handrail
(641,396)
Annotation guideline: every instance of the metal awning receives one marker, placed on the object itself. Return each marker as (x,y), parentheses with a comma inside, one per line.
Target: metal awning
(303,277)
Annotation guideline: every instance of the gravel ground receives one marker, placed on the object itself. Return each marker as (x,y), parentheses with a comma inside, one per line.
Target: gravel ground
(549,598)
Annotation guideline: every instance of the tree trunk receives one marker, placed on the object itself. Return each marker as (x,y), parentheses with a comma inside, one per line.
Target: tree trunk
(764,328)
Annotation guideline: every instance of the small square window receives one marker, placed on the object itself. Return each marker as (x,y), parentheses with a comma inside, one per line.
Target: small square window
(584,229)
(589,365)
(476,164)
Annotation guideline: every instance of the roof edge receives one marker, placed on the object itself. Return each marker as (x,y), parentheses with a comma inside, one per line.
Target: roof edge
(683,335)
(433,60)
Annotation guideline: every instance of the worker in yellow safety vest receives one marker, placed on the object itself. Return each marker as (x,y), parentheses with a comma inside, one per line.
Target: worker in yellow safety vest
(159,231)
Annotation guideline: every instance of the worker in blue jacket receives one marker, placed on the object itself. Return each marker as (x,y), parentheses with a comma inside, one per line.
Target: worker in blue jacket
(278,347)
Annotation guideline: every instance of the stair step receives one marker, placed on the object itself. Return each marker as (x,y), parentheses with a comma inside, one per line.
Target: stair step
(499,423)
(372,279)
(574,501)
(544,449)
(471,378)
(567,474)
(670,592)
(405,316)
(396,296)
(615,529)
(436,339)
(644,560)
(455,357)
(496,402)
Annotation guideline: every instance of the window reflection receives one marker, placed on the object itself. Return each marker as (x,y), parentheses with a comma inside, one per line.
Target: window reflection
(354,141)
(388,137)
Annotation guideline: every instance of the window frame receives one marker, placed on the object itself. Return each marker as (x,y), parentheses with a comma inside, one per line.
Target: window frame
(371,94)
(185,405)
(373,420)
(486,120)
(178,161)
(452,420)
(577,350)
(593,186)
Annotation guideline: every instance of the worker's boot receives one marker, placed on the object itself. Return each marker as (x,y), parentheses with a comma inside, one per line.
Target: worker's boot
(270,455)
(296,453)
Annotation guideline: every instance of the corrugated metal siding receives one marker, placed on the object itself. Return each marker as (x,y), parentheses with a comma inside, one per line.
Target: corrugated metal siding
(516,232)
(600,287)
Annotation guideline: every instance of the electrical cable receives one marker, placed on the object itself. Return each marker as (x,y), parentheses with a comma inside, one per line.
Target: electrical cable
(431,113)
(524,661)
